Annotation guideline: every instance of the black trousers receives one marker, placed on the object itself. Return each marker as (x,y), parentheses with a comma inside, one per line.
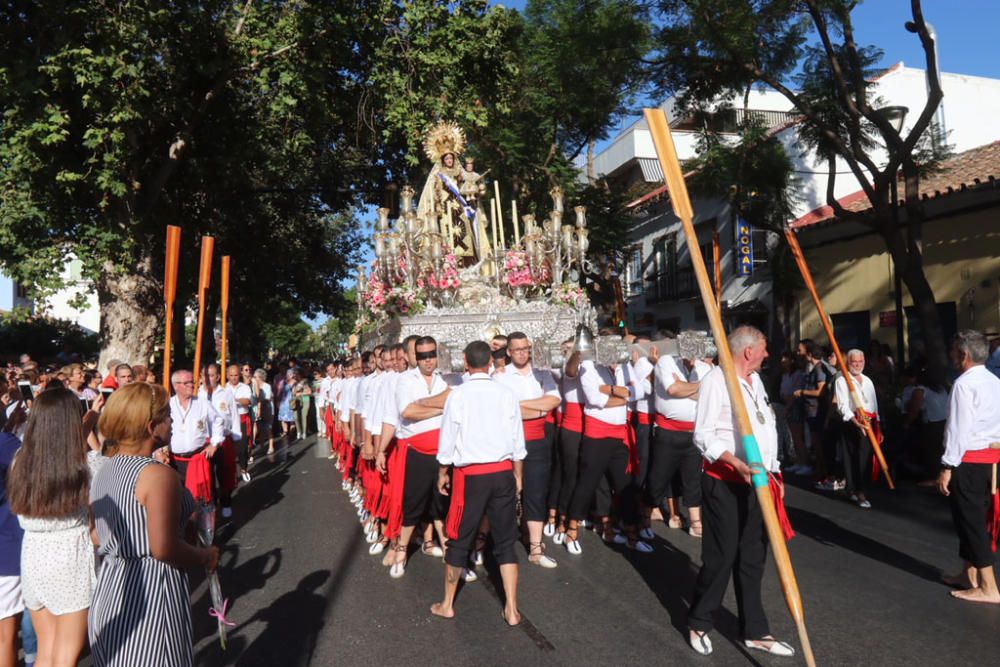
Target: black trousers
(421,498)
(600,458)
(555,469)
(733,542)
(643,438)
(857,458)
(493,495)
(569,463)
(673,452)
(245,445)
(970,500)
(537,470)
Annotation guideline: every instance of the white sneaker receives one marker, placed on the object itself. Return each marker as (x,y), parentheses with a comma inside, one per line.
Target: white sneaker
(469,576)
(559,537)
(549,530)
(376,548)
(397,570)
(227,512)
(864,504)
(245,475)
(574,547)
(477,557)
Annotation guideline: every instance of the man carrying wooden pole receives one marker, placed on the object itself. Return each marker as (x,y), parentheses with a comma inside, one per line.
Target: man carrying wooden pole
(741,441)
(856,400)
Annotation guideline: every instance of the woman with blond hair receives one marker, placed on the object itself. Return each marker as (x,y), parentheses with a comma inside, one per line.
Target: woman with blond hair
(142,613)
(47,488)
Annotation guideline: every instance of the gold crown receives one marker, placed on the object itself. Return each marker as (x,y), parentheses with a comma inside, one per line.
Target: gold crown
(445,137)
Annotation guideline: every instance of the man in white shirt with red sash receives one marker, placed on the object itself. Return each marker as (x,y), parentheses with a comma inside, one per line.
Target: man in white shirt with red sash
(673,448)
(605,449)
(196,434)
(859,463)
(482,439)
(538,395)
(969,474)
(224,402)
(570,433)
(242,397)
(734,540)
(418,431)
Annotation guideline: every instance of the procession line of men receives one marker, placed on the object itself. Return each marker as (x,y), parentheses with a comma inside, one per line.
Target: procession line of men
(465,455)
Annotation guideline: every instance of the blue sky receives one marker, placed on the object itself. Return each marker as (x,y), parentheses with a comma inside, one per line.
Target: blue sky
(967,30)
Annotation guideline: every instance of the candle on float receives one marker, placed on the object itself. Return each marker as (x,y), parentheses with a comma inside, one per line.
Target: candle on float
(493,225)
(517,226)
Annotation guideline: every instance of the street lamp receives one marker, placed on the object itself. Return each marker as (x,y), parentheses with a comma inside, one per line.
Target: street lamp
(896,115)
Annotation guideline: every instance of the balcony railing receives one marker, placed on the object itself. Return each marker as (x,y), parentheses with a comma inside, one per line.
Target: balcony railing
(671,285)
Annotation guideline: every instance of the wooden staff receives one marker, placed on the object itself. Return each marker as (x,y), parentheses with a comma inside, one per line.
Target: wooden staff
(204,278)
(224,304)
(667,153)
(800,260)
(717,266)
(171,260)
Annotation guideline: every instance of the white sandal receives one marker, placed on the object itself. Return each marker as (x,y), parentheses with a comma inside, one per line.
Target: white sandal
(700,642)
(776,648)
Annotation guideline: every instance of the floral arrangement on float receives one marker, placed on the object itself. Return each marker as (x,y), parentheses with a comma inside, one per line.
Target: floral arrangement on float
(571,295)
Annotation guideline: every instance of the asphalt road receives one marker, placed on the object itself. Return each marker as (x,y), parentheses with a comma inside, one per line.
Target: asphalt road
(304,591)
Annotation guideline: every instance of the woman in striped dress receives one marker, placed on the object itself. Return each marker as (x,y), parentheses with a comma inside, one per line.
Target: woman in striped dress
(141,613)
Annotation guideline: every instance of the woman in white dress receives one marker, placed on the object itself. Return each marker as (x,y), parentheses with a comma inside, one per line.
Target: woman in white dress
(48,489)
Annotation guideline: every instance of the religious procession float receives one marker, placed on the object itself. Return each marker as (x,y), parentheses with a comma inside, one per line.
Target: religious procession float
(445,266)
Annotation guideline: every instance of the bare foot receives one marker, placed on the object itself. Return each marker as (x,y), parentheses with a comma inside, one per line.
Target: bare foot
(438,609)
(512,617)
(977,595)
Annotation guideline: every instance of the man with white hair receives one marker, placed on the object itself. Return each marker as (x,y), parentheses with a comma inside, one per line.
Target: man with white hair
(858,461)
(969,465)
(734,542)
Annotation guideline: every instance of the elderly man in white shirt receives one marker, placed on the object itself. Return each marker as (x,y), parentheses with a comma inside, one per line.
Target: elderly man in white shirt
(969,467)
(482,440)
(734,539)
(196,435)
(858,459)
(223,400)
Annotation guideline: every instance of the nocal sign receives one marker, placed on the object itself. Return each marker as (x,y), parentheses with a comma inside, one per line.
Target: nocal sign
(744,248)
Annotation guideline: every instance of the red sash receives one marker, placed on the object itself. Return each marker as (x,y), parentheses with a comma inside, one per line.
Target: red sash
(384,501)
(198,478)
(598,430)
(246,425)
(725,472)
(674,424)
(643,418)
(534,429)
(457,505)
(330,426)
(988,456)
(422,443)
(572,418)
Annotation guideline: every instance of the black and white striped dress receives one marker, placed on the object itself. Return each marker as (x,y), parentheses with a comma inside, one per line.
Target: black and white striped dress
(141,614)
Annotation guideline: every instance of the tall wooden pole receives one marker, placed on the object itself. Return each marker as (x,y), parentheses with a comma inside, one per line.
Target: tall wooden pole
(224,303)
(800,260)
(717,268)
(204,279)
(667,153)
(171,260)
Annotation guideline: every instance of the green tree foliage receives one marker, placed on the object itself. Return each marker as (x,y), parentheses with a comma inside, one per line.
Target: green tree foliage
(806,50)
(232,120)
(43,338)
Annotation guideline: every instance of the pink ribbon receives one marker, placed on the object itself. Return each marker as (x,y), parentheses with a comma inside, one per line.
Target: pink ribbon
(221,615)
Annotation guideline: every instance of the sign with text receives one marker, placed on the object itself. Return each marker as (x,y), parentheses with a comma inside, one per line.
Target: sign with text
(744,247)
